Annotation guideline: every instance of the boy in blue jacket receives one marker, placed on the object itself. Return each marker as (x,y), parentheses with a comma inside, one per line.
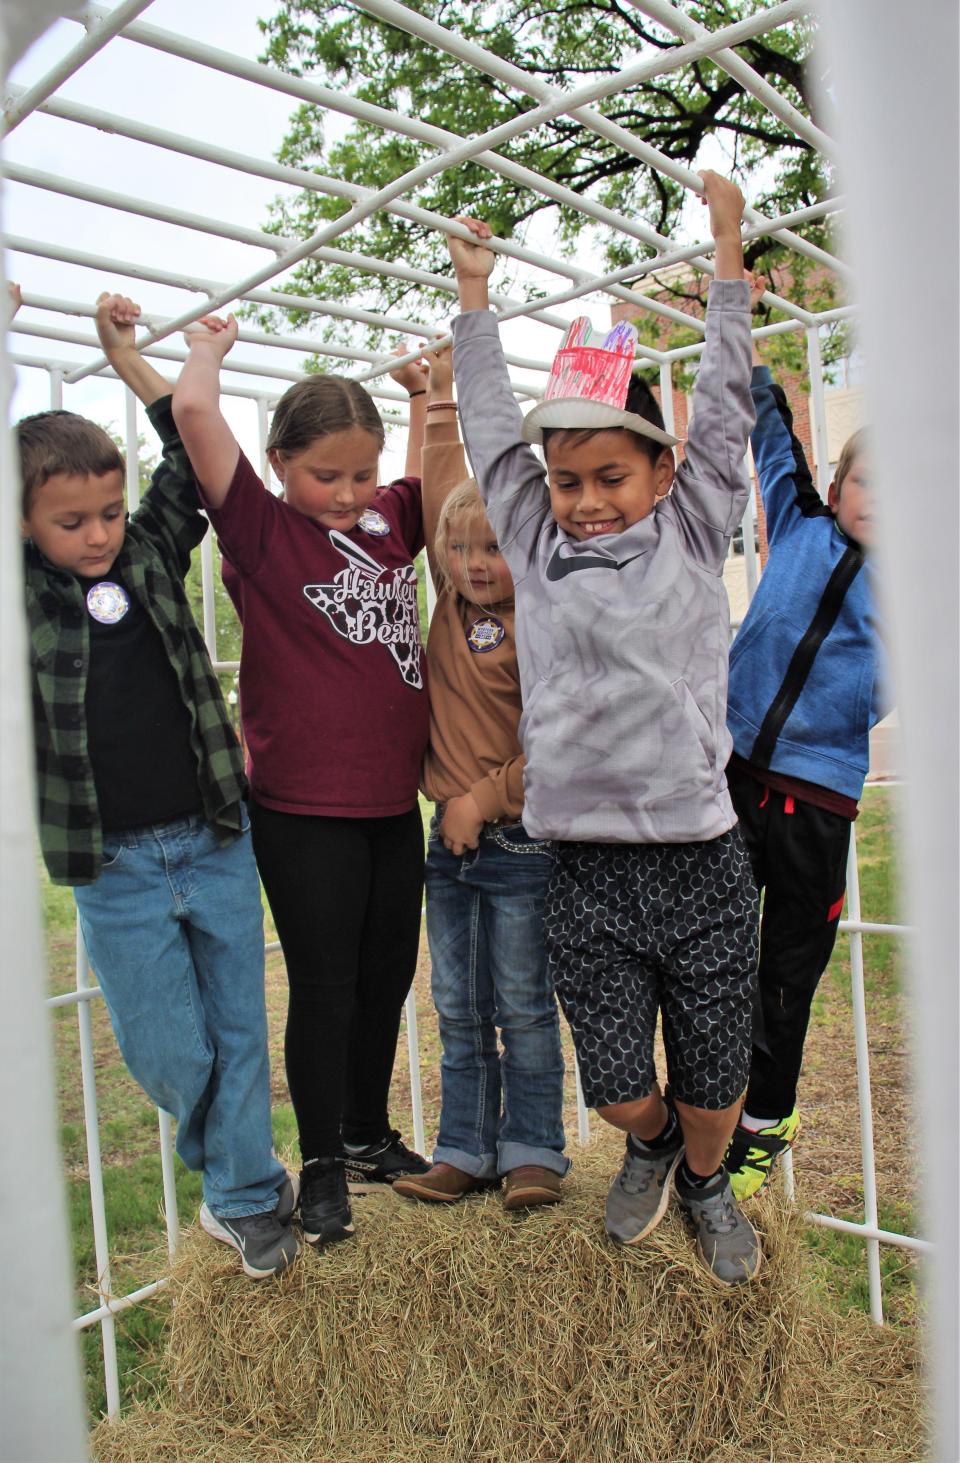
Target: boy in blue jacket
(803,696)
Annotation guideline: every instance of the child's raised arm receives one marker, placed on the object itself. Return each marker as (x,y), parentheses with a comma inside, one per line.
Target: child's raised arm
(211,445)
(444,465)
(413,378)
(473,264)
(115,320)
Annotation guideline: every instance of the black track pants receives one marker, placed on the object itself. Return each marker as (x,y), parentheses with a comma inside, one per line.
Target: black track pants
(799,860)
(346,896)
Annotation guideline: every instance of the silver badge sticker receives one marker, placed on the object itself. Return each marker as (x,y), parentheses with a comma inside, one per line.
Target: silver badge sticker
(107,602)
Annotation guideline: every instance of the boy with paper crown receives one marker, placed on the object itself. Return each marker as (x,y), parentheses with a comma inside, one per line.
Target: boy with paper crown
(622,635)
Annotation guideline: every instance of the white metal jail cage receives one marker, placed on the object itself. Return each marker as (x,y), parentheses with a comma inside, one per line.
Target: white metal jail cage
(49,337)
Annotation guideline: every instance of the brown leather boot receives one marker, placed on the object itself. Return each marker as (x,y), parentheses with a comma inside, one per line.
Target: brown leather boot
(441,1184)
(529,1185)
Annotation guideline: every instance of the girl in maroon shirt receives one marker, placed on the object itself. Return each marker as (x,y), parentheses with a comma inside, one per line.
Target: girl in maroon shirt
(335,717)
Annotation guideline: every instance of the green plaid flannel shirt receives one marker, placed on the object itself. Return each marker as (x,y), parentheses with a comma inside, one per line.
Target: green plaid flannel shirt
(153,563)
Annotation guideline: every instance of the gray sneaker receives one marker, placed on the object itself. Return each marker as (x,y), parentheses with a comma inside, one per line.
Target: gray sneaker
(639,1194)
(264,1245)
(727,1242)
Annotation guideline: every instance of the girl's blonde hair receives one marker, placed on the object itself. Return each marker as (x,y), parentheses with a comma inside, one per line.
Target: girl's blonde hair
(319,406)
(851,450)
(463,502)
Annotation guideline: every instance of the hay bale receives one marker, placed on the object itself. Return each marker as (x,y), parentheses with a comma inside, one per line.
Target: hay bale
(468,1335)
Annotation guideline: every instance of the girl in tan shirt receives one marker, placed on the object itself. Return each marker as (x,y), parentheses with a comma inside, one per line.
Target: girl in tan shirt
(501,1111)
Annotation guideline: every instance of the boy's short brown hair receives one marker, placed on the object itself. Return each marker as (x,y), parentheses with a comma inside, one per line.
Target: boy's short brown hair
(53,442)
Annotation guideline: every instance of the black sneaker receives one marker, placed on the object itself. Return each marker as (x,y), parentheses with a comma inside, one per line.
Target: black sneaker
(324,1206)
(264,1245)
(381,1163)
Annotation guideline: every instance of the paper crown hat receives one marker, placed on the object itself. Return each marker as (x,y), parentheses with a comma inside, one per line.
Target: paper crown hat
(588,386)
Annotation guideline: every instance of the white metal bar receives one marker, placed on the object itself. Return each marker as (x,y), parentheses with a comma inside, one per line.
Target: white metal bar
(17,358)
(133,451)
(96,38)
(101,1243)
(73,998)
(209,593)
(818,411)
(416,1095)
(583,1115)
(263,432)
(748,524)
(112,1307)
(171,1211)
(870,1213)
(870,1233)
(56,388)
(666,397)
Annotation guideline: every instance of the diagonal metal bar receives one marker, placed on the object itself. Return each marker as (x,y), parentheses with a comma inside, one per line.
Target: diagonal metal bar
(103,29)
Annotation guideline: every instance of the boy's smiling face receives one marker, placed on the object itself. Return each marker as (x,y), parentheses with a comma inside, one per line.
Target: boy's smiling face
(603,483)
(77,521)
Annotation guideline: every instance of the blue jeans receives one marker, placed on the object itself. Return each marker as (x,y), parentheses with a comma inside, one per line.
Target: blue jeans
(485,928)
(173,927)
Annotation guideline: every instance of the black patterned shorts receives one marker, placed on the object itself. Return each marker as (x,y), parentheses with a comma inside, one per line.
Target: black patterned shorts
(633,928)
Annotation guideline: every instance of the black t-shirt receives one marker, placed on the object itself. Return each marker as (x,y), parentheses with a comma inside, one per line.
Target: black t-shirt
(138,729)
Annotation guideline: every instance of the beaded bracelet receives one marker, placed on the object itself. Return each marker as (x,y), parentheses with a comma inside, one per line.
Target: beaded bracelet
(441,406)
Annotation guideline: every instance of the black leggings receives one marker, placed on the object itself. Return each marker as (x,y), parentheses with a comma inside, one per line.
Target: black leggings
(346,896)
(799,860)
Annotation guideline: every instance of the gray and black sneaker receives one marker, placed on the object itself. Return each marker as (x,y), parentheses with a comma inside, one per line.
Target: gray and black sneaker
(382,1163)
(265,1246)
(640,1193)
(288,1197)
(324,1204)
(727,1242)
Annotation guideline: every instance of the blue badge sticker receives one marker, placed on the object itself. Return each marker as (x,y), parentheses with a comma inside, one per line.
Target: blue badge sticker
(107,602)
(373,522)
(485,634)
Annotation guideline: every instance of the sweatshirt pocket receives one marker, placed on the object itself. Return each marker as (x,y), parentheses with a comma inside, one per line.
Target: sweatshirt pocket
(695,719)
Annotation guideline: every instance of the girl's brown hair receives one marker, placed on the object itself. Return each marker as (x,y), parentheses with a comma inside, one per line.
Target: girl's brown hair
(463,502)
(851,450)
(319,406)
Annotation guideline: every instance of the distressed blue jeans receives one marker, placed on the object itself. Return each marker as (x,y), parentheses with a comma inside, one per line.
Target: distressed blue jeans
(173,926)
(485,928)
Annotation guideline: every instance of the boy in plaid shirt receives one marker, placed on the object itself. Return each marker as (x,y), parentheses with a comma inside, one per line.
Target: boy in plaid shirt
(141,786)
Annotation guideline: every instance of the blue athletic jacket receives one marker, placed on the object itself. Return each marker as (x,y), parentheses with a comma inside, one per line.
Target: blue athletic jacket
(804,684)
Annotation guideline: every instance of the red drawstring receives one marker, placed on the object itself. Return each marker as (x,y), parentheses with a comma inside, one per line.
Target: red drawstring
(766,797)
(788,804)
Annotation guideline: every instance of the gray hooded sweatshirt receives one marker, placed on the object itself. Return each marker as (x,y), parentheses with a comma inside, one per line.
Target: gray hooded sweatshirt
(622,641)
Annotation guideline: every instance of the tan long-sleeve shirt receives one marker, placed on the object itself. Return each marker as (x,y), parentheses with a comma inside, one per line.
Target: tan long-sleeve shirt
(474,683)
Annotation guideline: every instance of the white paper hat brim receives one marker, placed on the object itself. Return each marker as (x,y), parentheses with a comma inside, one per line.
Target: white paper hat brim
(573,413)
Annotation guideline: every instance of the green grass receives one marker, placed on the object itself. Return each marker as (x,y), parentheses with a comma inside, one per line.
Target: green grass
(132,1168)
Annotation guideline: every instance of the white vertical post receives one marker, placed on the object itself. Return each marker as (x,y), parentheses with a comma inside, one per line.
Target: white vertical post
(40,1390)
(666,397)
(263,429)
(209,594)
(818,410)
(171,1213)
(132,450)
(98,1211)
(413,1049)
(56,388)
(583,1116)
(864,63)
(749,524)
(865,1098)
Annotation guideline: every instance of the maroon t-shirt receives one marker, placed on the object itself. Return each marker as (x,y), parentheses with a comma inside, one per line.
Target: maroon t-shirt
(332,671)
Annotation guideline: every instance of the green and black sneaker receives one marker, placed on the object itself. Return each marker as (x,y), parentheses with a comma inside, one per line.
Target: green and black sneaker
(751,1156)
